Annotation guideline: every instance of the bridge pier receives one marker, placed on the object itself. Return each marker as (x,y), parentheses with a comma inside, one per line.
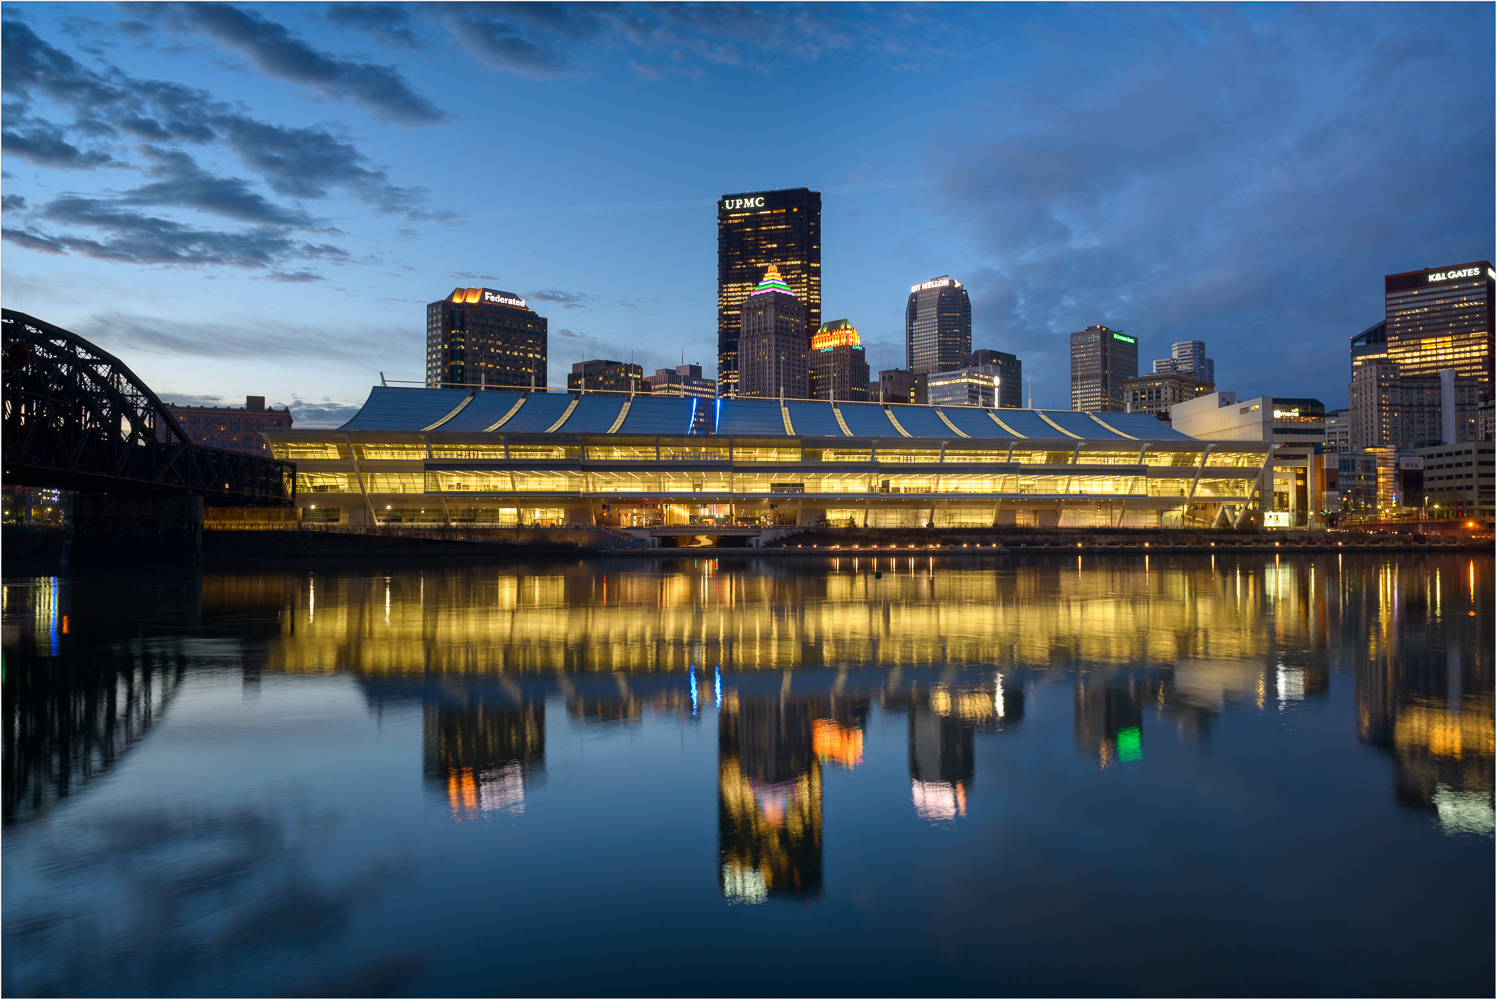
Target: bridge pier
(152,529)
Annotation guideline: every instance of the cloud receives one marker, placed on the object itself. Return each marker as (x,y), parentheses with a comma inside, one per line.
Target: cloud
(44,145)
(186,184)
(385,22)
(571,334)
(12,202)
(277,52)
(294,277)
(326,413)
(302,162)
(567,300)
(1181,194)
(138,238)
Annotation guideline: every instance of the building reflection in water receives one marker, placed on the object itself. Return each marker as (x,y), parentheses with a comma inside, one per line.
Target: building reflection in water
(1424,697)
(1176,640)
(483,753)
(768,798)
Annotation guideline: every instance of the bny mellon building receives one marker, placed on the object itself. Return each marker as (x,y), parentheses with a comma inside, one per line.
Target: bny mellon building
(506,457)
(754,231)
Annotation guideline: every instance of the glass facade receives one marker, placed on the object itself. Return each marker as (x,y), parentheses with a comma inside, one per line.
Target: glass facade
(614,477)
(754,231)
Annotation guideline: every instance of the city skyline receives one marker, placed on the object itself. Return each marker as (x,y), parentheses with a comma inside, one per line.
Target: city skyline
(1228,179)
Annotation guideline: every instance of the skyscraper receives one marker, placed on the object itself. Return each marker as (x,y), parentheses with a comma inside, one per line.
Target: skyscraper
(610,376)
(1010,372)
(937,326)
(839,369)
(483,338)
(1187,357)
(1441,319)
(773,341)
(1101,361)
(1369,345)
(755,231)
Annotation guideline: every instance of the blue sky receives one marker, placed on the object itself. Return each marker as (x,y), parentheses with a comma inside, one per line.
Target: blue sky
(260,199)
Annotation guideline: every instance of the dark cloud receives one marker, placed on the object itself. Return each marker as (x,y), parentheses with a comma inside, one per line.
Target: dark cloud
(567,300)
(325,413)
(1214,184)
(385,22)
(43,144)
(572,334)
(294,277)
(183,183)
(279,53)
(137,238)
(12,202)
(31,241)
(307,162)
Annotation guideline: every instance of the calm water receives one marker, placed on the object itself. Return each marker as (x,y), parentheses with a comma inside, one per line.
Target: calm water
(1246,775)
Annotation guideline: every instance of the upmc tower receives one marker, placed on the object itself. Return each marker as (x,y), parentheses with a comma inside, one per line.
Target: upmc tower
(756,230)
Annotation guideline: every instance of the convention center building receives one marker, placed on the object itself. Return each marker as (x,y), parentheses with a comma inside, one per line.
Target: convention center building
(509,457)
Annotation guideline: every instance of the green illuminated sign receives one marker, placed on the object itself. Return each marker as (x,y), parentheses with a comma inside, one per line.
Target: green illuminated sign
(1130,744)
(1126,340)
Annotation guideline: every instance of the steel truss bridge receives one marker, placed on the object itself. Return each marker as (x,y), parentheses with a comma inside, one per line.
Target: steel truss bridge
(77,418)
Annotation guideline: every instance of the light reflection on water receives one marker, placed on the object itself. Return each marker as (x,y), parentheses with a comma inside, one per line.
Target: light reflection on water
(350,781)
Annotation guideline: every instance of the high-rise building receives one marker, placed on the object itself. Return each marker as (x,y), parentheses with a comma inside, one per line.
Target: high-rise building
(611,376)
(683,380)
(839,369)
(755,231)
(231,427)
(937,326)
(1010,372)
(484,339)
(1441,319)
(1156,392)
(1188,357)
(961,387)
(1101,361)
(1337,431)
(1369,345)
(895,385)
(772,342)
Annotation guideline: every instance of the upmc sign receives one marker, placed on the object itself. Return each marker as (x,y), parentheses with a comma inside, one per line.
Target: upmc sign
(752,201)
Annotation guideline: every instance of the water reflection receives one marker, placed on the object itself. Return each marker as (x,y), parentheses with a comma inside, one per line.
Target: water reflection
(431,760)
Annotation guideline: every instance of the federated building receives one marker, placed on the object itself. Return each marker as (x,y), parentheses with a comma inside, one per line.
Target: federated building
(503,457)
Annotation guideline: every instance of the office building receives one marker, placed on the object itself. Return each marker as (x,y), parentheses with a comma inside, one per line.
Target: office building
(756,231)
(1157,392)
(1369,345)
(895,385)
(607,376)
(1458,480)
(1441,319)
(772,342)
(231,427)
(1009,371)
(937,326)
(1337,431)
(839,368)
(482,338)
(1101,361)
(1292,484)
(1405,412)
(961,387)
(683,380)
(1188,357)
